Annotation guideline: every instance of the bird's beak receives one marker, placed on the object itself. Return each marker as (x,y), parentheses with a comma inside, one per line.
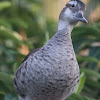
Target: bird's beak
(80,17)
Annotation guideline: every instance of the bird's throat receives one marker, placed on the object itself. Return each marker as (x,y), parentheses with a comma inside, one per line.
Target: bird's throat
(62,25)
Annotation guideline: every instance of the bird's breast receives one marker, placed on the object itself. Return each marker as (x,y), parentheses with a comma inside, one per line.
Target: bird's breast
(53,71)
(49,73)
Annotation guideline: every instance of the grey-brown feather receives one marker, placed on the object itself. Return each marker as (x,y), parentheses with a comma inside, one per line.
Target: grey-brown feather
(51,73)
(30,53)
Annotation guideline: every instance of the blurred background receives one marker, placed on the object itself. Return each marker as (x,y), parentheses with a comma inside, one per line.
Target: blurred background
(29,24)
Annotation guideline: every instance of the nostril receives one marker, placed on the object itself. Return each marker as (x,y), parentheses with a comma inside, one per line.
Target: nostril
(80,14)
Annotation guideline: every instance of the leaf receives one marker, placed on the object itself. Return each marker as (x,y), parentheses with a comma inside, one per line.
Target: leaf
(9,34)
(86,98)
(4,4)
(93,84)
(87,58)
(90,72)
(3,88)
(78,97)
(18,22)
(15,66)
(88,34)
(47,36)
(7,81)
(75,97)
(94,52)
(4,22)
(81,83)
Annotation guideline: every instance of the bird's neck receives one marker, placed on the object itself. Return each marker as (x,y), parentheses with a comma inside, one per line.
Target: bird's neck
(63,34)
(62,38)
(64,25)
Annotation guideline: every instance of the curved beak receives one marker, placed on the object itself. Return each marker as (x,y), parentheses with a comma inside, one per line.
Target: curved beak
(80,17)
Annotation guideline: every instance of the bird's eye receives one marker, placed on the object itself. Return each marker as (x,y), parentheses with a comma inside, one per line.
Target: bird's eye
(73,5)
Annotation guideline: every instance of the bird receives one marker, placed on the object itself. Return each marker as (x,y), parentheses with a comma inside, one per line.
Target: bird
(52,71)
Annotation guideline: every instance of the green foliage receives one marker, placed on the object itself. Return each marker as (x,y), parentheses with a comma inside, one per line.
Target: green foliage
(81,83)
(90,72)
(87,38)
(6,87)
(9,34)
(4,4)
(79,97)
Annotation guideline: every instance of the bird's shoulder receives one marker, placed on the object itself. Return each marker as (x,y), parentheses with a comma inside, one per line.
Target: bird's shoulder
(19,74)
(30,53)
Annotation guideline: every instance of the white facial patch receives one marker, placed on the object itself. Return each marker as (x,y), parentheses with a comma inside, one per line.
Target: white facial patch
(68,12)
(72,2)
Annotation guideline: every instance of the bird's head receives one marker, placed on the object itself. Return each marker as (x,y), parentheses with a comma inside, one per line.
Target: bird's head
(73,12)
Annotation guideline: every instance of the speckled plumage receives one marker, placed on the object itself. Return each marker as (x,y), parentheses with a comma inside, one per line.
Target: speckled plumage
(51,72)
